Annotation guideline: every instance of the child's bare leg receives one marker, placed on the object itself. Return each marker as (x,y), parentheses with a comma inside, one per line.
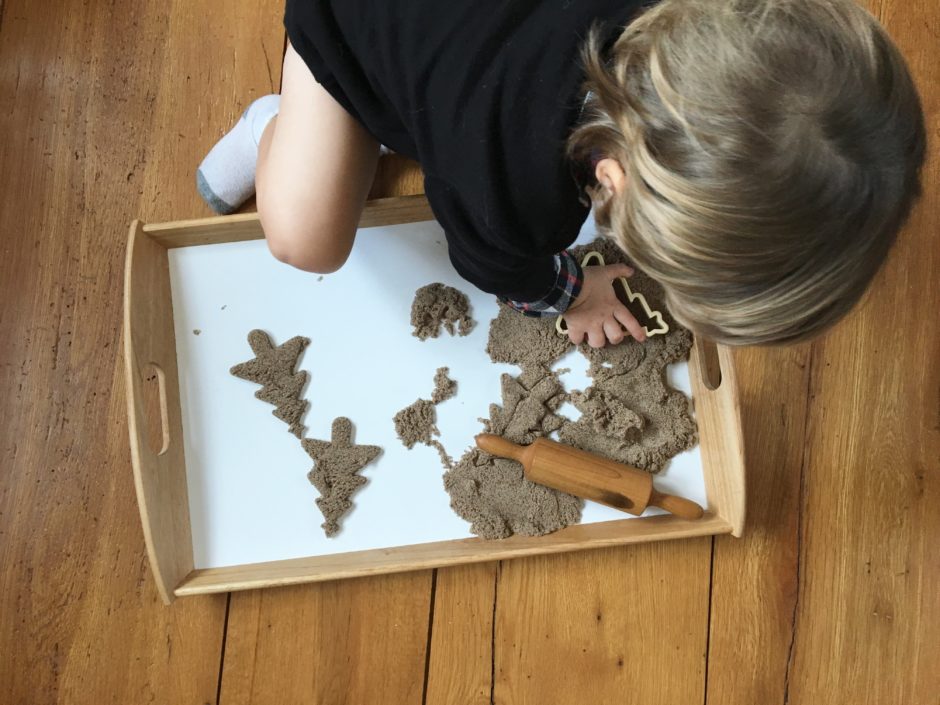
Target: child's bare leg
(315,166)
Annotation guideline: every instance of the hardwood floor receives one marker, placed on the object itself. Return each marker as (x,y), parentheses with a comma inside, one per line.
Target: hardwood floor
(830,597)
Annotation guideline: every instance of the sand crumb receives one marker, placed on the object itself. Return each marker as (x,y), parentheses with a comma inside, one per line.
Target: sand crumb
(416,423)
(444,387)
(442,453)
(437,305)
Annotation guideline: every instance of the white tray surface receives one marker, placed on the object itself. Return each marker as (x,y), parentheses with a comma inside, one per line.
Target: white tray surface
(250,500)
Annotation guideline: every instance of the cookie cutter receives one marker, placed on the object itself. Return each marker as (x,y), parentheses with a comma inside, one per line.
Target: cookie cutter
(597,259)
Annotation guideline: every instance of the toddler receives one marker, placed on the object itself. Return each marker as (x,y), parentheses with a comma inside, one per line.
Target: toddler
(756,157)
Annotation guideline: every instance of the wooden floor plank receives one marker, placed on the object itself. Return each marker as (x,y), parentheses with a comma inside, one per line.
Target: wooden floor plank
(397,176)
(460,668)
(83,86)
(831,595)
(627,624)
(219,59)
(352,641)
(754,578)
(868,608)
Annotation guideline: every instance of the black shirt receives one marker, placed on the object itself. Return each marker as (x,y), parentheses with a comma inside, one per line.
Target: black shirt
(483,94)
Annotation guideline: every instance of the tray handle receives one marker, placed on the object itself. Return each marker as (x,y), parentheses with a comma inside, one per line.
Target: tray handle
(709,363)
(159,468)
(718,413)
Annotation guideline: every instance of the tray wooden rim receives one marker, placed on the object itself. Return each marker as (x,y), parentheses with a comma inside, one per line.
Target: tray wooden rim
(160,477)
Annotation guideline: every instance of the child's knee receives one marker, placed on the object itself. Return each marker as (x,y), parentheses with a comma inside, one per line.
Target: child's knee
(314,247)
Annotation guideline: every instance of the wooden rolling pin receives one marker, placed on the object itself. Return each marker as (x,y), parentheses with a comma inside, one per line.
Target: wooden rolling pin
(590,476)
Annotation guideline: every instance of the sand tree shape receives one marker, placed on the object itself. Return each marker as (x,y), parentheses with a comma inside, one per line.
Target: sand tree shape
(335,472)
(273,368)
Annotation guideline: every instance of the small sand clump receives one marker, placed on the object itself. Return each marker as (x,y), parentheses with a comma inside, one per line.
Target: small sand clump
(436,306)
(444,387)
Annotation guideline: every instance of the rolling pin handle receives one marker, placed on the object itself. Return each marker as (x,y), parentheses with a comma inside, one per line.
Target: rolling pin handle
(499,446)
(681,507)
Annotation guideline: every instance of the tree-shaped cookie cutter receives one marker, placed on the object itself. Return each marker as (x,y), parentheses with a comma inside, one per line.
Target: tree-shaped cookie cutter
(597,259)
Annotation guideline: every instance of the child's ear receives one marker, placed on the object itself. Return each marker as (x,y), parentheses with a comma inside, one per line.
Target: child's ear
(610,175)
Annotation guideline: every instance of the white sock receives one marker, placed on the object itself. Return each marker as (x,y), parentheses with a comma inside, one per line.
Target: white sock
(226,177)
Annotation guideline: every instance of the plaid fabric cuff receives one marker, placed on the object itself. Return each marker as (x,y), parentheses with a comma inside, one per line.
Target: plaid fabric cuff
(568,280)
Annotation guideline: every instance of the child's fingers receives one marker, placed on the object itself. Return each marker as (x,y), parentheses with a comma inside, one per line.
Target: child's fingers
(596,337)
(618,270)
(575,333)
(623,315)
(613,331)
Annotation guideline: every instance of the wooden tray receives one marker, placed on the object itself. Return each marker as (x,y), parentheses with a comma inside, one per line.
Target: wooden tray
(160,468)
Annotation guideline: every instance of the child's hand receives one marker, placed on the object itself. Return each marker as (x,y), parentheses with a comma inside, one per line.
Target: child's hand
(598,313)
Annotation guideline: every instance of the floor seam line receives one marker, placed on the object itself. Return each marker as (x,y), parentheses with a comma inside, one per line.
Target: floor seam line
(218,686)
(427,648)
(493,635)
(708,626)
(799,526)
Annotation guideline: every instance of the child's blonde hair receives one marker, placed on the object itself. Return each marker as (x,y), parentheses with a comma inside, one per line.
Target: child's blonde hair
(772,150)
